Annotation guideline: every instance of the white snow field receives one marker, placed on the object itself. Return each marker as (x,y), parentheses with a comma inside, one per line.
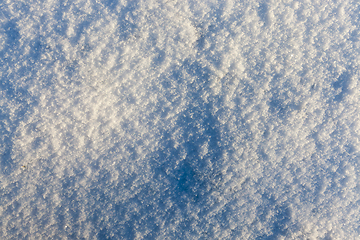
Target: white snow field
(179,119)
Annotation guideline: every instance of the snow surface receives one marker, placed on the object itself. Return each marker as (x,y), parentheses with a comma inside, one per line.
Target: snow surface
(166,119)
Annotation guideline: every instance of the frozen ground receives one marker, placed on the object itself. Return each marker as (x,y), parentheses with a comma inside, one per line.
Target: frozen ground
(166,119)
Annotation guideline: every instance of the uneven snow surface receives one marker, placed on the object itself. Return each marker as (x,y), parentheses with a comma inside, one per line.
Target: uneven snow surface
(179,119)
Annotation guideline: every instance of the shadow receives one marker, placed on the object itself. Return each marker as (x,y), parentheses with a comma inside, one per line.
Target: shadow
(342,86)
(62,22)
(159,57)
(111,4)
(281,104)
(36,49)
(12,33)
(192,174)
(127,18)
(188,164)
(263,13)
(80,30)
(277,106)
(281,220)
(354,36)
(16,95)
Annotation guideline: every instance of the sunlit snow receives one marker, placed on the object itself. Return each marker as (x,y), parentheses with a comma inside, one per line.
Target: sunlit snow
(167,119)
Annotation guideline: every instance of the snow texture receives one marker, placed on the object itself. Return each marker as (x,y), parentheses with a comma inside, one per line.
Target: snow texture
(167,119)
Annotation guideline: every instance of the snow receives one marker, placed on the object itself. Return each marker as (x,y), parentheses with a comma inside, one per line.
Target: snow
(166,119)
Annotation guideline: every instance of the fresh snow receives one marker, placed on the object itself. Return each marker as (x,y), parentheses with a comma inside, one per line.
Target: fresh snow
(167,119)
